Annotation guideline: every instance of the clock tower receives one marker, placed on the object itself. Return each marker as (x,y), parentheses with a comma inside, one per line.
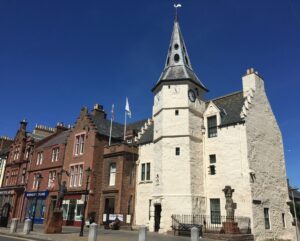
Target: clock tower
(178,122)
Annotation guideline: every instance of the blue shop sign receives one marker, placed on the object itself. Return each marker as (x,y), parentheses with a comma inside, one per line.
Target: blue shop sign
(37,194)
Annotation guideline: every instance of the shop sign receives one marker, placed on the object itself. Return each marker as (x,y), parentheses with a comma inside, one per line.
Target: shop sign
(6,192)
(112,217)
(38,194)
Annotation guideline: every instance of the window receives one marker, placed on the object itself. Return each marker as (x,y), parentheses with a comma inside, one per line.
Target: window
(39,159)
(55,153)
(35,182)
(212,167)
(112,174)
(177,151)
(145,172)
(7,178)
(176,112)
(212,126)
(76,175)
(129,204)
(267,218)
(27,154)
(52,176)
(215,211)
(23,175)
(79,144)
(71,176)
(283,220)
(80,176)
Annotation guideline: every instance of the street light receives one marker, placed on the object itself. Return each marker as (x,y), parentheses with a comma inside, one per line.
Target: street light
(88,172)
(295,213)
(38,177)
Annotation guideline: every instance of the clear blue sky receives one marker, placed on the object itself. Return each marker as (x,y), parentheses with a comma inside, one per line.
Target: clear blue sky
(57,56)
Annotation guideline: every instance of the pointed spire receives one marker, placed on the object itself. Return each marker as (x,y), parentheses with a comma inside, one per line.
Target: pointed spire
(178,65)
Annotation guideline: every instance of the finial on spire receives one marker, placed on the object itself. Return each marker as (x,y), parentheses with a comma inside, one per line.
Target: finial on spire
(176,6)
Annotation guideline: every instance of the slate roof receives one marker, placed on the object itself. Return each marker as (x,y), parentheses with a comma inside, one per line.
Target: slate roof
(103,126)
(4,152)
(230,106)
(147,137)
(295,192)
(56,140)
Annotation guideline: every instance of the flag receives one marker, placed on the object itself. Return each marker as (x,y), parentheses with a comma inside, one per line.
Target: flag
(127,108)
(113,112)
(178,5)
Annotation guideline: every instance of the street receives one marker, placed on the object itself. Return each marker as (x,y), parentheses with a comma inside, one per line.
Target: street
(10,238)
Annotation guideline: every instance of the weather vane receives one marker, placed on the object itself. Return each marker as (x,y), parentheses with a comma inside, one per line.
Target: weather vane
(176,6)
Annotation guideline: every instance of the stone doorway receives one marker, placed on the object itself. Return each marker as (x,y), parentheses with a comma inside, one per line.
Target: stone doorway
(157,216)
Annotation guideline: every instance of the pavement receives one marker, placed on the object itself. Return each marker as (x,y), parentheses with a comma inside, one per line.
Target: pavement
(72,234)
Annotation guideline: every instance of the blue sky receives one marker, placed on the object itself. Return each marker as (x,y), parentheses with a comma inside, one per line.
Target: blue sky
(57,56)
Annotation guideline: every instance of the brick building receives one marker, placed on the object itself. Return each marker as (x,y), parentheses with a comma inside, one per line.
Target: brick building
(18,161)
(118,182)
(85,149)
(5,143)
(47,160)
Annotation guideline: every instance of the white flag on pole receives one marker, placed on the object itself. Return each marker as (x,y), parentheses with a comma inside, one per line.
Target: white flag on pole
(127,108)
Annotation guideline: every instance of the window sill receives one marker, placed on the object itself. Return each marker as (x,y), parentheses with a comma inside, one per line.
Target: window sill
(145,182)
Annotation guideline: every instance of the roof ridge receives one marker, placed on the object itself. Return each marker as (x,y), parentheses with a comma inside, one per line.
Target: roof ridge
(225,96)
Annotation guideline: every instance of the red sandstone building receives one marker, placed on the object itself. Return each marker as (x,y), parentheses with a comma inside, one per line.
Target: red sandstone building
(47,160)
(113,175)
(17,164)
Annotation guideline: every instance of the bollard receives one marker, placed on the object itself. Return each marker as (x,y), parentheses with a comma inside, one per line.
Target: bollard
(93,232)
(14,225)
(143,233)
(27,226)
(194,234)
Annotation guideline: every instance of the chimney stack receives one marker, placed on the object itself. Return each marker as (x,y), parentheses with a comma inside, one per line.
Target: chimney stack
(98,111)
(23,124)
(60,127)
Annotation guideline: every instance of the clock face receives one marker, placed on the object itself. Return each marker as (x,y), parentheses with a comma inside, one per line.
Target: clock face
(192,95)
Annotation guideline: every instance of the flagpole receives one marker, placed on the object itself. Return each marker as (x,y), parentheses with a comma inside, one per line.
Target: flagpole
(111,121)
(125,125)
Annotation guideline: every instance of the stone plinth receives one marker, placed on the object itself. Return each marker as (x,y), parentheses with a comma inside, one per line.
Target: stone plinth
(55,222)
(230,228)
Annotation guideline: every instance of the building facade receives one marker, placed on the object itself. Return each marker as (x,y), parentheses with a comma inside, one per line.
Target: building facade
(47,160)
(17,165)
(195,147)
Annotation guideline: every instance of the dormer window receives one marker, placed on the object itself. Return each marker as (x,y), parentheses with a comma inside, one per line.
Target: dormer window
(212,126)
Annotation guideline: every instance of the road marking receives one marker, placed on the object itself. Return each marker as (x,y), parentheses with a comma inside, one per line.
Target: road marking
(14,237)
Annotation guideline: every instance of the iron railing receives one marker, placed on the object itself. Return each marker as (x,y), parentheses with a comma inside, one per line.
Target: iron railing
(210,224)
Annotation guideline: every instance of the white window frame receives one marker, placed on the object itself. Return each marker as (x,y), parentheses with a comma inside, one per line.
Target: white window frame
(112,174)
(147,170)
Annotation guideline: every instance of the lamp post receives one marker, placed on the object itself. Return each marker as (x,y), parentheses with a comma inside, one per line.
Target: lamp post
(88,172)
(38,180)
(295,213)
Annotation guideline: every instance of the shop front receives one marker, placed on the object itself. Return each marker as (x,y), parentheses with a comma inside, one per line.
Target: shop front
(72,209)
(36,201)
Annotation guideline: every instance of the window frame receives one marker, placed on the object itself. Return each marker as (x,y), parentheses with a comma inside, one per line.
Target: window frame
(146,171)
(212,128)
(267,218)
(112,174)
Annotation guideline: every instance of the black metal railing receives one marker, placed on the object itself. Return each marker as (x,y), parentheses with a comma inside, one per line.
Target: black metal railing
(211,224)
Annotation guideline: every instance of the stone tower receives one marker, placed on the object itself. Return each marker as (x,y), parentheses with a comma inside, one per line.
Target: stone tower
(178,119)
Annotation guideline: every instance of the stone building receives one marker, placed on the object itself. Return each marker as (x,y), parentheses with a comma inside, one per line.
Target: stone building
(17,164)
(47,160)
(194,147)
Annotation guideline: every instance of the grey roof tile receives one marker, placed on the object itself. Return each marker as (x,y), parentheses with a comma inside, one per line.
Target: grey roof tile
(230,106)
(147,136)
(56,140)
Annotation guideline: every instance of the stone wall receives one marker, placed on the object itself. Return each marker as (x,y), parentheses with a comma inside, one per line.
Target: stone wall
(266,160)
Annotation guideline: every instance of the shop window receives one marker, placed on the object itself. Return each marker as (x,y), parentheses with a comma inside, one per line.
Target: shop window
(65,207)
(79,211)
